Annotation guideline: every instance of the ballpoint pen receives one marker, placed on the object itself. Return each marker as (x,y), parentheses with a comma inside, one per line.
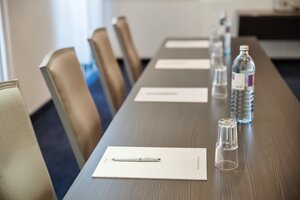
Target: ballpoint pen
(140,159)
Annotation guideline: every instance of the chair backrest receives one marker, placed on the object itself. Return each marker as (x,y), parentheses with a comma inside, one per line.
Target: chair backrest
(110,74)
(73,101)
(132,59)
(23,173)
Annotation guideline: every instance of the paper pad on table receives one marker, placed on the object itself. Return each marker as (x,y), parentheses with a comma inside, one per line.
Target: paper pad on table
(187,44)
(183,64)
(168,94)
(175,163)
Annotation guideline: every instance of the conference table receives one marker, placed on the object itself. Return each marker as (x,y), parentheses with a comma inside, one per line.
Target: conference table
(269,148)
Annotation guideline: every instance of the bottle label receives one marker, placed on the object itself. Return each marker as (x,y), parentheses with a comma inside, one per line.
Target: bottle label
(250,81)
(238,81)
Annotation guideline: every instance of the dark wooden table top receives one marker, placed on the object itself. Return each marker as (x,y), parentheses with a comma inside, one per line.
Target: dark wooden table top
(269,148)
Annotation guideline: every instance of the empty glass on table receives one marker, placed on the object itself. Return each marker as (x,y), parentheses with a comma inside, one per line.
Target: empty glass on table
(226,154)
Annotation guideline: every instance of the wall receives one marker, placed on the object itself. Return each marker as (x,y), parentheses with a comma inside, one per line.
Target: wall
(153,20)
(29,36)
(33,28)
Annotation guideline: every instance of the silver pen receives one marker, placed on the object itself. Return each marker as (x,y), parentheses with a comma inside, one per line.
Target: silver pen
(140,159)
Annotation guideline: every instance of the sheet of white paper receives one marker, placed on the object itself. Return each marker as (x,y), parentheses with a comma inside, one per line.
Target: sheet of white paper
(183,64)
(175,163)
(187,44)
(168,94)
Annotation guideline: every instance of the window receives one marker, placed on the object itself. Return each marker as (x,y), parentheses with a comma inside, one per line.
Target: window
(3,63)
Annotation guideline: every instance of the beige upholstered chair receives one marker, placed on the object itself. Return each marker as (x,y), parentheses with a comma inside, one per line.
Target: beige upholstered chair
(133,63)
(110,74)
(73,101)
(23,173)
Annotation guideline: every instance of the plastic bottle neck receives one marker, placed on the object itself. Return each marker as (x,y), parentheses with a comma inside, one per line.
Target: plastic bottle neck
(244,52)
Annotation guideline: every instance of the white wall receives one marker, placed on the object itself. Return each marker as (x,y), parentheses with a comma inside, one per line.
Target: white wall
(153,20)
(29,34)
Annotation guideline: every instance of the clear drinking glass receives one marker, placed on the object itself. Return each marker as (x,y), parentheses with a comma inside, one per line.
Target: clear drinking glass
(226,154)
(219,85)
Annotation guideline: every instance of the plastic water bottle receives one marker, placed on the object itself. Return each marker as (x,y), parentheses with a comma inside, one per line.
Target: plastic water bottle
(242,87)
(224,32)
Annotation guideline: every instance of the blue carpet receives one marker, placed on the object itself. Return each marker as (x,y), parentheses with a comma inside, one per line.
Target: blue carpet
(56,150)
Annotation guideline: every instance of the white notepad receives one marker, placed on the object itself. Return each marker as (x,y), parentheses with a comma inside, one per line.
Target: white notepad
(187,44)
(182,64)
(175,163)
(172,94)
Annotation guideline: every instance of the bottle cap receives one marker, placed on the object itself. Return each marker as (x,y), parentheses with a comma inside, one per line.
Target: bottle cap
(244,48)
